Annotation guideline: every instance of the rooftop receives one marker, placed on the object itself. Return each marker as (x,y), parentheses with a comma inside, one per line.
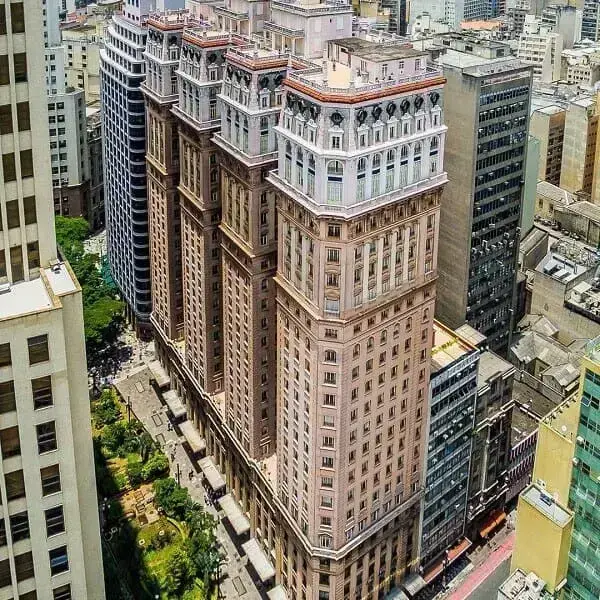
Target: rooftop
(37,295)
(531,401)
(378,52)
(547,505)
(448,347)
(490,367)
(564,419)
(555,193)
(550,110)
(470,334)
(520,586)
(522,424)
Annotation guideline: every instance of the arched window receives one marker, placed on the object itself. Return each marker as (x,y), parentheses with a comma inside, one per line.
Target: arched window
(264,135)
(335,176)
(300,168)
(356,351)
(417,162)
(434,144)
(288,162)
(390,170)
(404,152)
(310,184)
(245,135)
(403,166)
(361,171)
(375,175)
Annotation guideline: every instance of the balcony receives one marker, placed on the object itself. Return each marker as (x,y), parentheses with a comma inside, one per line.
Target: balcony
(286,31)
(230,14)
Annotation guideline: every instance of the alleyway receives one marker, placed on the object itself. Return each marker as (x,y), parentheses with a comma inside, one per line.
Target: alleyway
(133,384)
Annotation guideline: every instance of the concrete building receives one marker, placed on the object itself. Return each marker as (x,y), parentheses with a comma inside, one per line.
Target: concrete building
(553,289)
(49,527)
(479,239)
(358,217)
(124,126)
(453,393)
(581,65)
(544,523)
(490,454)
(590,22)
(541,47)
(548,126)
(583,577)
(95,207)
(327,311)
(82,68)
(577,173)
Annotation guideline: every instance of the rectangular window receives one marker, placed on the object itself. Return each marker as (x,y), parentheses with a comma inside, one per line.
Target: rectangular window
(50,477)
(8,163)
(30,210)
(7,397)
(15,485)
(42,392)
(17,17)
(12,214)
(23,120)
(9,442)
(5,577)
(46,437)
(33,255)
(55,521)
(62,593)
(4,78)
(38,349)
(5,119)
(16,263)
(20,61)
(26,163)
(19,526)
(59,560)
(24,567)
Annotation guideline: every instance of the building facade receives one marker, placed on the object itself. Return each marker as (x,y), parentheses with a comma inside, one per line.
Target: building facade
(124,125)
(548,126)
(315,409)
(453,394)
(49,527)
(583,577)
(490,458)
(162,156)
(479,239)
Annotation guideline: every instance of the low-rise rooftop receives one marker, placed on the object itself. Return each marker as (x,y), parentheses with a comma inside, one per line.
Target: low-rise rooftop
(491,366)
(377,52)
(447,348)
(547,505)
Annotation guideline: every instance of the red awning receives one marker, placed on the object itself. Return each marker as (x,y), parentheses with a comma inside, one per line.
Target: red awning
(454,553)
(497,518)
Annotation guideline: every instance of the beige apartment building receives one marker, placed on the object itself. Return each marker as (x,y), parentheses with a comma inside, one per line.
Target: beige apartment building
(49,528)
(548,126)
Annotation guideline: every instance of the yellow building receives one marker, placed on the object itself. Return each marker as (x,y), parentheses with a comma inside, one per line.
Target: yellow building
(544,523)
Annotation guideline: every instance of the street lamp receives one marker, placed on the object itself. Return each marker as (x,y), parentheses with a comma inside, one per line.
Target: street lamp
(128,409)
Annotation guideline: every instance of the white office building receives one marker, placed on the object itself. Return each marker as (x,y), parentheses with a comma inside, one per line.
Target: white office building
(124,122)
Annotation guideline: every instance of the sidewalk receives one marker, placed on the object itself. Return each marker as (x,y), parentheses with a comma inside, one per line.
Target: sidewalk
(502,551)
(147,408)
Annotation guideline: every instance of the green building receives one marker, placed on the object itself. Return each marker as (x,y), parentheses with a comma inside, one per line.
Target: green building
(583,579)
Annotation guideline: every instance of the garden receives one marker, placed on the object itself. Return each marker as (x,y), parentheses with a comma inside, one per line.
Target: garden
(159,543)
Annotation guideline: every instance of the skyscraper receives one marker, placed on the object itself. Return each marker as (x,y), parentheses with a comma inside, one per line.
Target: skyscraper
(49,530)
(357,237)
(124,124)
(481,211)
(309,223)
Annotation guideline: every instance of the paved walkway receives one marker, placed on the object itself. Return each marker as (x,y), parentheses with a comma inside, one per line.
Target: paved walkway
(147,407)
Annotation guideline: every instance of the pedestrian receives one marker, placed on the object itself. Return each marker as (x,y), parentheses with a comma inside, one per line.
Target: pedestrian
(191,475)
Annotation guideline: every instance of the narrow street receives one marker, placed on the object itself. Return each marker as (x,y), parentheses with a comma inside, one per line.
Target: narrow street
(133,383)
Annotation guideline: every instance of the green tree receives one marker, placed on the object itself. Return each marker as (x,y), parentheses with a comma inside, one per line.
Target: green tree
(146,446)
(106,409)
(70,234)
(203,545)
(134,471)
(157,464)
(180,569)
(113,436)
(171,497)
